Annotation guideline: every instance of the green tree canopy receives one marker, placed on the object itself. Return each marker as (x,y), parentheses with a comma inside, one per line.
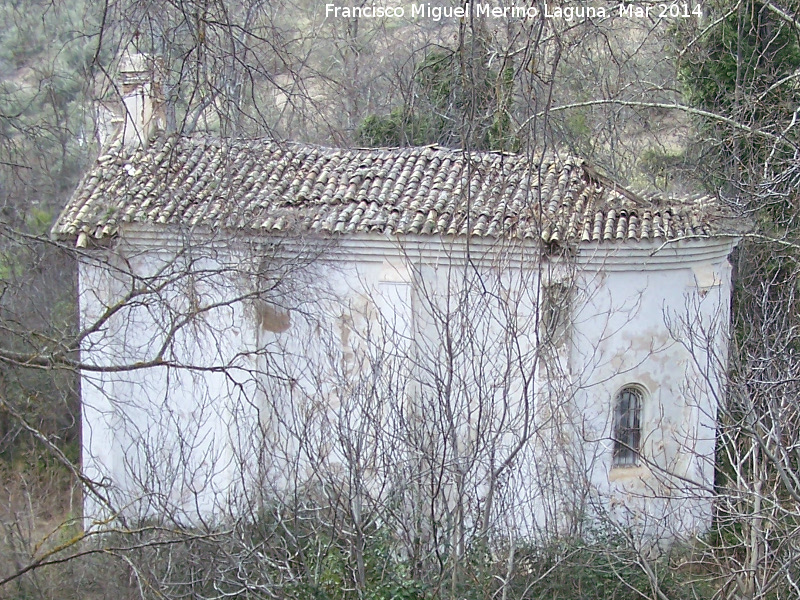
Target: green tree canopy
(460,99)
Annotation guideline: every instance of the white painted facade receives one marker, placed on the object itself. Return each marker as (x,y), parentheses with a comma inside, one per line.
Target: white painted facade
(229,374)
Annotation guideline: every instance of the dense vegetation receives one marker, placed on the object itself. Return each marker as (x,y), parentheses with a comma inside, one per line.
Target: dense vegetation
(683,105)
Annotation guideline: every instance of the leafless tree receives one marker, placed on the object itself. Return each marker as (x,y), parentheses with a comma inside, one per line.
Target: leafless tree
(610,89)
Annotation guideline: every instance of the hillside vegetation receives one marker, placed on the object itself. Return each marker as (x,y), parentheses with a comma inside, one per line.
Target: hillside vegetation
(679,105)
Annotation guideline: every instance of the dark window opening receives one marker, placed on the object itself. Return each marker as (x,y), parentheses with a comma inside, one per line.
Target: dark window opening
(627,427)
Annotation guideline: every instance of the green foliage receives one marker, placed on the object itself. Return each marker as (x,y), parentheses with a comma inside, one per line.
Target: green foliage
(584,574)
(742,68)
(398,128)
(576,128)
(459,100)
(608,569)
(36,305)
(751,50)
(559,571)
(659,165)
(39,220)
(45,144)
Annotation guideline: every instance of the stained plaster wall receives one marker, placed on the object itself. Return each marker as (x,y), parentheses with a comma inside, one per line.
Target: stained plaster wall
(656,318)
(386,343)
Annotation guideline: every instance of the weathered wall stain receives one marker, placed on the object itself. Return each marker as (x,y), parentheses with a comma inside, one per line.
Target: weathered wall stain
(271,318)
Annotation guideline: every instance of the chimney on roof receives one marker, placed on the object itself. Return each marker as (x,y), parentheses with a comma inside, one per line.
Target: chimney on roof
(143,103)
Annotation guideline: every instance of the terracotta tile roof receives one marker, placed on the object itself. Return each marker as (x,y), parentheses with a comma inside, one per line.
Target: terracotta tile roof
(267,186)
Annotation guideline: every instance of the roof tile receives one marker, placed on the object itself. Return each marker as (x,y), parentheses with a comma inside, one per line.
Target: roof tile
(264,185)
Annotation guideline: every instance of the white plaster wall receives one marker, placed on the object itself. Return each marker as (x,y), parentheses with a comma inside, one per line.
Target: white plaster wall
(404,363)
(404,375)
(157,407)
(662,327)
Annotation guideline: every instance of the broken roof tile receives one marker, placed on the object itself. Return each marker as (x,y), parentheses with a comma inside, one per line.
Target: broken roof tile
(216,183)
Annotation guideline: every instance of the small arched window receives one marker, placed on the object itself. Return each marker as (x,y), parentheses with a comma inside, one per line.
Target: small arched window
(627,426)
